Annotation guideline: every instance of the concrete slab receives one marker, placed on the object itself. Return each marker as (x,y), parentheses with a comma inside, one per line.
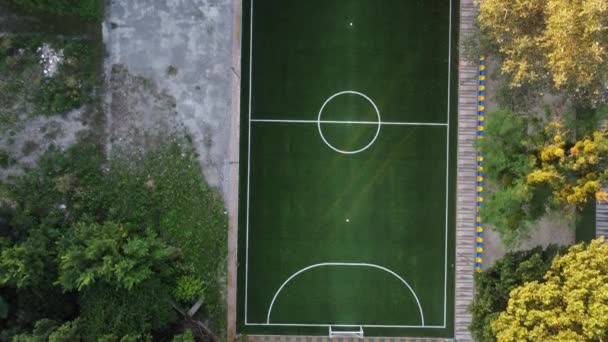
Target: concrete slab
(182,50)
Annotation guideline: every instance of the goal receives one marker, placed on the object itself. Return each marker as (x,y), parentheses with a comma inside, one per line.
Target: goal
(346,331)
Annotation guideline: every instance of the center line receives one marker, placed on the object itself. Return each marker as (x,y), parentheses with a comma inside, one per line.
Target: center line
(352,122)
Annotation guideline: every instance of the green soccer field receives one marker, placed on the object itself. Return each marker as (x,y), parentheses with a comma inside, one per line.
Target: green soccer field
(346,205)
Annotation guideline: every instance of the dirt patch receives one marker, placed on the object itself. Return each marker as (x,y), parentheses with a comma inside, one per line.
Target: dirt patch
(139,114)
(550,229)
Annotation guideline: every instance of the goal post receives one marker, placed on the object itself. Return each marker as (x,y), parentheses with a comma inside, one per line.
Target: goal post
(346,331)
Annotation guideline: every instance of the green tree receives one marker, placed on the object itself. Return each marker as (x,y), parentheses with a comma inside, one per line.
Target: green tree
(47,330)
(509,146)
(139,311)
(570,302)
(492,286)
(118,254)
(42,330)
(23,264)
(111,242)
(31,225)
(69,331)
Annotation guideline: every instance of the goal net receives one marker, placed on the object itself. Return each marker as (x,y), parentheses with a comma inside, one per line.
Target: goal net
(346,331)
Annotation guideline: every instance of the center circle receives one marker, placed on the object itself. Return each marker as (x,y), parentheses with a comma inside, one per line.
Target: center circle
(378,123)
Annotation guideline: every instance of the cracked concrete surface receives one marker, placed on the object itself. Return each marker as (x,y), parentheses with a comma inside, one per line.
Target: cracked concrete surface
(170,62)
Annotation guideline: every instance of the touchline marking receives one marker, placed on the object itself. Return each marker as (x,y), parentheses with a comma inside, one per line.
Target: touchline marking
(348,122)
(447,174)
(346,264)
(248,157)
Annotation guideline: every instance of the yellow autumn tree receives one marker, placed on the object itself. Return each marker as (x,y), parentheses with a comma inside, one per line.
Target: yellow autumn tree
(569,304)
(563,41)
(575,174)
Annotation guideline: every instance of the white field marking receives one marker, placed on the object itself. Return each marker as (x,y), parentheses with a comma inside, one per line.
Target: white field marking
(382,123)
(447,175)
(343,325)
(348,92)
(248,156)
(347,264)
(348,122)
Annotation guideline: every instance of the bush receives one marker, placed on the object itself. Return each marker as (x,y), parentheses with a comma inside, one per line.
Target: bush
(185,337)
(492,286)
(507,147)
(510,144)
(139,311)
(117,254)
(189,288)
(85,9)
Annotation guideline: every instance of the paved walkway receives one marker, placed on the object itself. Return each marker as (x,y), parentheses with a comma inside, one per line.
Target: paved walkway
(601,219)
(233,185)
(465,188)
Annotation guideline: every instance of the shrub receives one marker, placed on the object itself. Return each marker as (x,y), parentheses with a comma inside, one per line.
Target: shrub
(185,337)
(138,311)
(189,288)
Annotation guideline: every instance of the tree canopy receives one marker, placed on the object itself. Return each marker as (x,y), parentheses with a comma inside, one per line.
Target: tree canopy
(557,41)
(570,303)
(110,244)
(492,286)
(575,173)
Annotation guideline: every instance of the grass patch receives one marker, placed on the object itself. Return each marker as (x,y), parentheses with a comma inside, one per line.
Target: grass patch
(84,9)
(24,86)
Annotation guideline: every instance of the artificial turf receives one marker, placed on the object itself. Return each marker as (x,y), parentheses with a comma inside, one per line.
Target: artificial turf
(302,203)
